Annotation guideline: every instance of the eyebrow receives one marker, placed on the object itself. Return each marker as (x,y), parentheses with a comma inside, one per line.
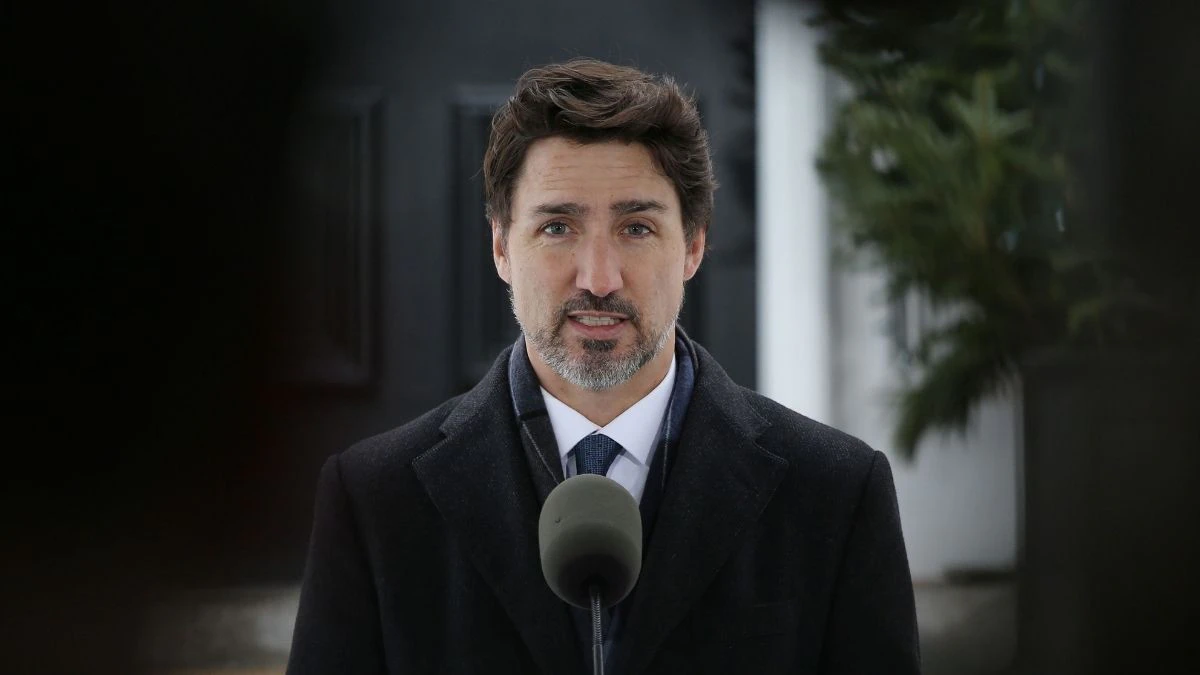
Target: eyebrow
(561,209)
(628,206)
(621,208)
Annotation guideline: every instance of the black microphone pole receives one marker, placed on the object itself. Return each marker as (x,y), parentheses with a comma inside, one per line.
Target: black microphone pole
(597,631)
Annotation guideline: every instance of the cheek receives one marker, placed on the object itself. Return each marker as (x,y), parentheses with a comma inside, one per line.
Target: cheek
(664,290)
(533,287)
(543,274)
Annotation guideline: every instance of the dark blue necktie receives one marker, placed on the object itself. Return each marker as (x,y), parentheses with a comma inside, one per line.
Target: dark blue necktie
(595,453)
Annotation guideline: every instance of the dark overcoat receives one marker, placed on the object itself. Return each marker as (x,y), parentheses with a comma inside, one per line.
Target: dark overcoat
(776,549)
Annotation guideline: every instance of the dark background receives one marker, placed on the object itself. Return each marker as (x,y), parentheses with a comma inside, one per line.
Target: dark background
(240,237)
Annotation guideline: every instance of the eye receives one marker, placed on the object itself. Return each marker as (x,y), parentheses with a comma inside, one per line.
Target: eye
(638,230)
(557,228)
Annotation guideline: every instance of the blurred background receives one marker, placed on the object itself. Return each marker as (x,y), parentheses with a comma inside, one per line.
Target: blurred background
(242,236)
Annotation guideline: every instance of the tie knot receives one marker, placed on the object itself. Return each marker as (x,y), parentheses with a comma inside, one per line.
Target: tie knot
(595,453)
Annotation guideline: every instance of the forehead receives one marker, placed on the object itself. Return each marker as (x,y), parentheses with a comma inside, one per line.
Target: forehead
(557,169)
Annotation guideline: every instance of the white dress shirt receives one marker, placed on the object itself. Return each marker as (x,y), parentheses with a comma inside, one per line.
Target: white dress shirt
(636,430)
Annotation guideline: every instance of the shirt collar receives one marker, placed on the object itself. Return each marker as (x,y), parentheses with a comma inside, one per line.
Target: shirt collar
(636,429)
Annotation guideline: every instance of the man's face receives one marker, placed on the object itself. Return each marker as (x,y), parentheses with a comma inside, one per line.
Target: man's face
(596,258)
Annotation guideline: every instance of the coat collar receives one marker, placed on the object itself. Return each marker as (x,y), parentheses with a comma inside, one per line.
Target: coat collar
(479,481)
(719,484)
(721,480)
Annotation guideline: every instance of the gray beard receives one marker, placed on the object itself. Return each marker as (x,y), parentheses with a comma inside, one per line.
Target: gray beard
(598,369)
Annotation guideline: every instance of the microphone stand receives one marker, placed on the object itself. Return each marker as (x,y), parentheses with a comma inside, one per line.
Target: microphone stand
(597,636)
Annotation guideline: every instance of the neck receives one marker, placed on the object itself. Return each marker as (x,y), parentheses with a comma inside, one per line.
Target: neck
(602,407)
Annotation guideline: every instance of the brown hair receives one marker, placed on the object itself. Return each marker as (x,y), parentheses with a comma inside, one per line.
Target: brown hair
(590,101)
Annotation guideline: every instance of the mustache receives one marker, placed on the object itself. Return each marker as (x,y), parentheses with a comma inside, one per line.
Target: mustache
(586,302)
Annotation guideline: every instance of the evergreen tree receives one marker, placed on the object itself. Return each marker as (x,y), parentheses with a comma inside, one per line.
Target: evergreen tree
(957,165)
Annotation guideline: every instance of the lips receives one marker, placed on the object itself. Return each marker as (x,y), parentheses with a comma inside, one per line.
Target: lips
(597,327)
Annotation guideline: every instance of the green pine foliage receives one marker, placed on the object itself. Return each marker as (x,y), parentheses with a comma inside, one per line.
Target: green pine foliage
(954,166)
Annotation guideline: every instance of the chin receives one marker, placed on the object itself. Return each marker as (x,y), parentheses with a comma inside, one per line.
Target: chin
(609,348)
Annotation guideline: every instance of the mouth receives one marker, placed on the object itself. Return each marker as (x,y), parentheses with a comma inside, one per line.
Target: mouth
(597,325)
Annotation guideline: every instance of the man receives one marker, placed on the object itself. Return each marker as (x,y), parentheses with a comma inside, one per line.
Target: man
(773,543)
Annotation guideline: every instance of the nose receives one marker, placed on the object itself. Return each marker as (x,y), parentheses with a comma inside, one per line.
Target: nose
(598,267)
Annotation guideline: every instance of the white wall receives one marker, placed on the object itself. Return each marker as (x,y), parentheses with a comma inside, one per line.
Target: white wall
(958,499)
(793,268)
(823,348)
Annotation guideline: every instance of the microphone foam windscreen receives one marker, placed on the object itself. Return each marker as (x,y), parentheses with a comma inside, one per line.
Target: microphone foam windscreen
(590,531)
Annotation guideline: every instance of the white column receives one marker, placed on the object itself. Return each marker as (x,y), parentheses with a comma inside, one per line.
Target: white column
(793,248)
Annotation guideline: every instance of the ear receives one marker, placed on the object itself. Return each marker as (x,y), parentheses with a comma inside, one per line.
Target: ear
(694,254)
(500,252)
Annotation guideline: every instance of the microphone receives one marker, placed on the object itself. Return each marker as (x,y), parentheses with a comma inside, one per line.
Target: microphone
(590,540)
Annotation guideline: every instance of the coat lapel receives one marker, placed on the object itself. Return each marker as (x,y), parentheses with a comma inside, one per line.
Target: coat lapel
(719,484)
(478,479)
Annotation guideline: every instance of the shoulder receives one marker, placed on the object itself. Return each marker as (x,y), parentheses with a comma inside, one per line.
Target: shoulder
(385,461)
(815,452)
(382,456)
(792,432)
(832,478)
